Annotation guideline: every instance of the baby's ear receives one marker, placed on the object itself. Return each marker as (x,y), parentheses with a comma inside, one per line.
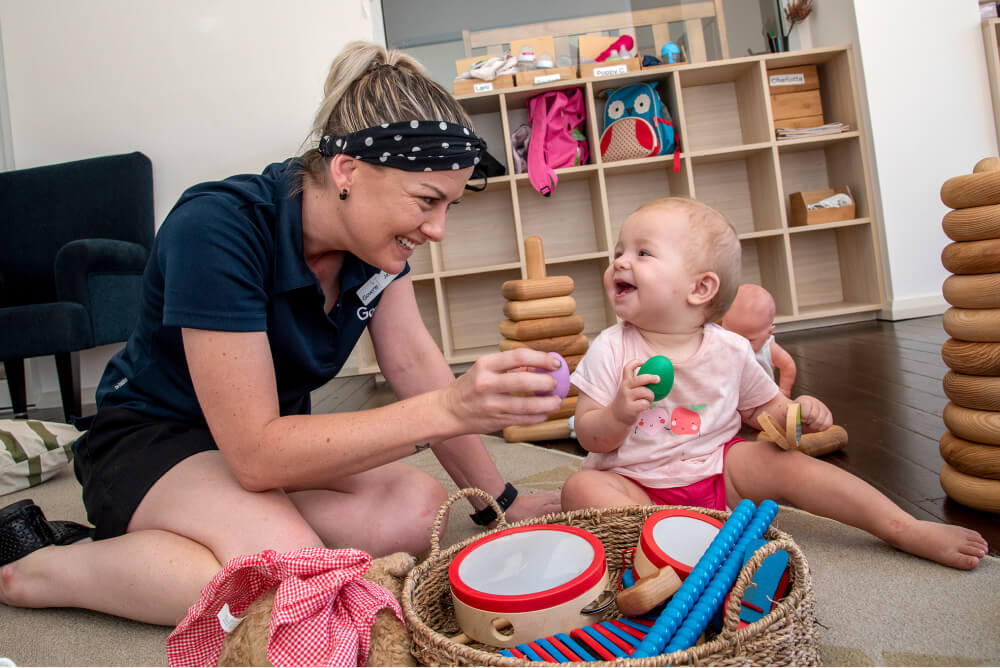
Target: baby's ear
(704,289)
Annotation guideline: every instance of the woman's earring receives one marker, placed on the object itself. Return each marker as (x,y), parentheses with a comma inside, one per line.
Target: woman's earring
(343,194)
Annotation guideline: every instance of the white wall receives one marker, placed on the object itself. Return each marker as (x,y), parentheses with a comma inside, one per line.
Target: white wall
(205,88)
(927,97)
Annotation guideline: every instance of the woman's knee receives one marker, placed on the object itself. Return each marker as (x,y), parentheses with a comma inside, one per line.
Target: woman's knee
(412,504)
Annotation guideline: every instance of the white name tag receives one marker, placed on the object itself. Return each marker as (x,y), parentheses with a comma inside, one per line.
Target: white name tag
(545,78)
(484,87)
(610,70)
(374,286)
(796,79)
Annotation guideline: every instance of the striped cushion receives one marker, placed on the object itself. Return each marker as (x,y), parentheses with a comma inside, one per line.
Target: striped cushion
(32,451)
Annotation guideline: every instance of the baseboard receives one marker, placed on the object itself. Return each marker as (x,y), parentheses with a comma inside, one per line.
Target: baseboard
(914,307)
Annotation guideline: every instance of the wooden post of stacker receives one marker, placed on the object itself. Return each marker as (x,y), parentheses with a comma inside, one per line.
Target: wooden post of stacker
(541,314)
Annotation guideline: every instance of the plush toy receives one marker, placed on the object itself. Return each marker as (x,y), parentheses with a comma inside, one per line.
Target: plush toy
(246,645)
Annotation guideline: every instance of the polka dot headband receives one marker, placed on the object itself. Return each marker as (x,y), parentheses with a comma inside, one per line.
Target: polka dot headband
(415,146)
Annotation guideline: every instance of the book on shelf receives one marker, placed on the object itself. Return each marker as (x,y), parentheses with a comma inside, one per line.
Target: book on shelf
(797,133)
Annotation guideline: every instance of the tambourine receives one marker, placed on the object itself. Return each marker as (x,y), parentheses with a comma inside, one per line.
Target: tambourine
(528,582)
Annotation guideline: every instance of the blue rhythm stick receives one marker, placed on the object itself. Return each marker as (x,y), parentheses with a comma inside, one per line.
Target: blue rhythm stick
(689,592)
(722,582)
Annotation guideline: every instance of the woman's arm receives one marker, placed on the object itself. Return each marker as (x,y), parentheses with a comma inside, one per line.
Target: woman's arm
(413,364)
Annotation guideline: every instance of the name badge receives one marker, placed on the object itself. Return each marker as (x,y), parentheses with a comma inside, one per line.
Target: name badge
(374,286)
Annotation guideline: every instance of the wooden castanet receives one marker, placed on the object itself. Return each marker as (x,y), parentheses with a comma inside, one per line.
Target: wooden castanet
(648,592)
(972,425)
(972,257)
(977,359)
(972,491)
(567,408)
(975,224)
(574,344)
(549,430)
(973,291)
(973,324)
(978,392)
(968,190)
(548,307)
(526,330)
(817,444)
(537,288)
(982,461)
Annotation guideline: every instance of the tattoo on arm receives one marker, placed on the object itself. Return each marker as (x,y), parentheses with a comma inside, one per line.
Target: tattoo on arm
(418,447)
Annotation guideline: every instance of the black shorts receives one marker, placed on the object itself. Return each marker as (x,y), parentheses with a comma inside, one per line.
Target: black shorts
(122,455)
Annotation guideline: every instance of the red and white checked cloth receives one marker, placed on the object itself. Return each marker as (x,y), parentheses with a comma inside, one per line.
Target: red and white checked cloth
(323,609)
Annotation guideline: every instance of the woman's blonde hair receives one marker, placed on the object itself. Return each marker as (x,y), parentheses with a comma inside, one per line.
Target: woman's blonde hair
(368,85)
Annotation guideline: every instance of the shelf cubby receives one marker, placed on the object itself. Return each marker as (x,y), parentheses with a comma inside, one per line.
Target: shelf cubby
(724,105)
(480,231)
(473,308)
(742,185)
(825,163)
(835,269)
(630,183)
(765,262)
(576,200)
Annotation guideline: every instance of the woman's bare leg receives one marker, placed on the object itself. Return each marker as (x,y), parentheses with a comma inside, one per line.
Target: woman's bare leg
(759,470)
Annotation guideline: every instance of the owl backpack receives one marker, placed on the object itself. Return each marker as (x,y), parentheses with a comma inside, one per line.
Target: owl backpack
(637,125)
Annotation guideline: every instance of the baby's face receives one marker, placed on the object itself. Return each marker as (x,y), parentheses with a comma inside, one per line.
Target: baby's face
(649,281)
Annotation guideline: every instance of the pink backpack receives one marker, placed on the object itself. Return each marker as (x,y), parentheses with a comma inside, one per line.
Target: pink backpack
(557,138)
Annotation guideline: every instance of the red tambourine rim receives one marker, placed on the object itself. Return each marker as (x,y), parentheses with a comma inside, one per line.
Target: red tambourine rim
(536,600)
(658,557)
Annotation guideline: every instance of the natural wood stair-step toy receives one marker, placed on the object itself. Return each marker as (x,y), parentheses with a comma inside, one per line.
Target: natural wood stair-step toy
(969,190)
(973,324)
(972,290)
(541,315)
(978,392)
(977,359)
(972,491)
(972,257)
(977,459)
(972,425)
(972,224)
(790,437)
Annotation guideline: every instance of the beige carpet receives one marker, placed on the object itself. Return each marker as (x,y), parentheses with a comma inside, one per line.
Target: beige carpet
(877,606)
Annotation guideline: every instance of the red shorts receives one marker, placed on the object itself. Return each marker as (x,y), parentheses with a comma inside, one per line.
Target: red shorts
(707,493)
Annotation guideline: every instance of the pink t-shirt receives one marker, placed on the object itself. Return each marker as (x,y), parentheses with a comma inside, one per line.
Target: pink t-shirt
(680,439)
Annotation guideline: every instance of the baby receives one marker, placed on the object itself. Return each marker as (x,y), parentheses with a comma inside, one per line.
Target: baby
(675,272)
(752,317)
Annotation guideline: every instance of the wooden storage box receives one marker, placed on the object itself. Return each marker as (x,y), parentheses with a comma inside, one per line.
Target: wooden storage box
(591,46)
(536,77)
(802,215)
(795,97)
(468,86)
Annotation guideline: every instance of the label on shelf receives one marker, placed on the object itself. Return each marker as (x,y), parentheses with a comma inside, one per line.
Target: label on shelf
(483,87)
(796,79)
(610,70)
(546,78)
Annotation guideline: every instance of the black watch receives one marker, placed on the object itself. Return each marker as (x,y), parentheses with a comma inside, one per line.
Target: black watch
(488,514)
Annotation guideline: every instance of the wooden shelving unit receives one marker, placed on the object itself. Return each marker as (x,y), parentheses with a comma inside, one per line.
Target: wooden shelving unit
(729,159)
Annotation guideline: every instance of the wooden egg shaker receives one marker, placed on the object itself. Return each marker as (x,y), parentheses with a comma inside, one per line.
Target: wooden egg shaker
(528,582)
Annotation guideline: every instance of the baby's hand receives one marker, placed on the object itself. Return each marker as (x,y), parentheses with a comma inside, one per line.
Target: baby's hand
(815,415)
(633,396)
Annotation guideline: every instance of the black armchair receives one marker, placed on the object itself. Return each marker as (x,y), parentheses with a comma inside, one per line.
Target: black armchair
(74,239)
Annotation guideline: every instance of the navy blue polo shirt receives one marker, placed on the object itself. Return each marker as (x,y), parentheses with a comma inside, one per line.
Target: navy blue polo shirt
(229,257)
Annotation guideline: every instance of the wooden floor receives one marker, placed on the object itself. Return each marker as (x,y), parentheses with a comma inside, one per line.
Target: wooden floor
(882,380)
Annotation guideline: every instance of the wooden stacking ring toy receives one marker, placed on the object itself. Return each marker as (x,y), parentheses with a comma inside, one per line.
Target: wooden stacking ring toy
(972,257)
(973,291)
(982,461)
(975,224)
(978,392)
(527,582)
(969,490)
(969,190)
(972,425)
(973,324)
(977,359)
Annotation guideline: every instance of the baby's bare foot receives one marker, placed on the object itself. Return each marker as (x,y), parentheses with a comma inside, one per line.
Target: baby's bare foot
(946,544)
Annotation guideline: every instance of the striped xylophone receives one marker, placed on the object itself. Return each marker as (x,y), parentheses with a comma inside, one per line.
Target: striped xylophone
(604,641)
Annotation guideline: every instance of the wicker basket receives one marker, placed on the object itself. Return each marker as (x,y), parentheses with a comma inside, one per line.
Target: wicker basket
(788,635)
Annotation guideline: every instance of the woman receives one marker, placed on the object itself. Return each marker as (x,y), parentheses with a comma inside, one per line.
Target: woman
(257,289)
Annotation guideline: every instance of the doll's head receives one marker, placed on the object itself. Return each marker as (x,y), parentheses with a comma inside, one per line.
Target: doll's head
(751,315)
(677,266)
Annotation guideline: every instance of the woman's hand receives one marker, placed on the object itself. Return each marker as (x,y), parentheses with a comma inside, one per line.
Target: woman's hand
(499,391)
(815,415)
(633,396)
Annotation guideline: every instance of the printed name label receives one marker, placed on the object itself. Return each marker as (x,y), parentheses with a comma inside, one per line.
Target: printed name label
(796,79)
(610,70)
(545,78)
(484,87)
(373,286)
